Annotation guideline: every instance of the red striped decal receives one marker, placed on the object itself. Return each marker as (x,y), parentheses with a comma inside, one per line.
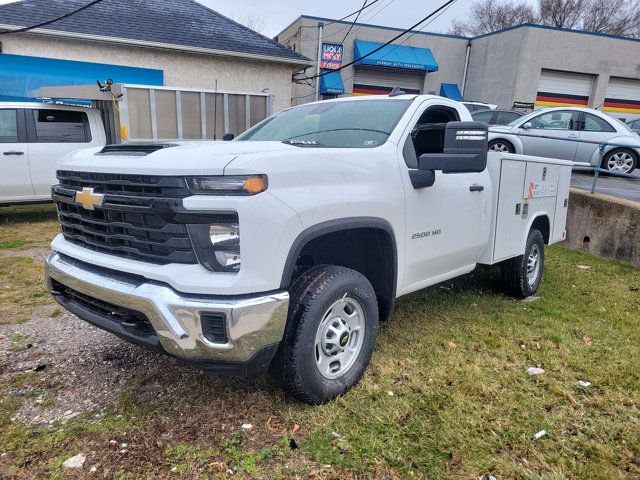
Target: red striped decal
(621,105)
(531,190)
(573,101)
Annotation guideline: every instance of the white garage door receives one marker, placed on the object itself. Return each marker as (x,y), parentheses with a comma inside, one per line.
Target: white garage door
(380,81)
(623,98)
(565,89)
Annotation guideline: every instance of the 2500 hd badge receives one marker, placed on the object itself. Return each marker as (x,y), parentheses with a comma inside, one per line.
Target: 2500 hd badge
(432,233)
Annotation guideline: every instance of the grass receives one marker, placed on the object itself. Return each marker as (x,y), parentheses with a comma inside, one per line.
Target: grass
(447,395)
(27,226)
(23,229)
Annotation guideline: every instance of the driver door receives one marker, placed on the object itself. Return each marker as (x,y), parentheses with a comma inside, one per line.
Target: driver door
(557,130)
(447,224)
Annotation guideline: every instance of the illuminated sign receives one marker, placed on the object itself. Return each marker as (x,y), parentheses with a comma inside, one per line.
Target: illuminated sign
(331,57)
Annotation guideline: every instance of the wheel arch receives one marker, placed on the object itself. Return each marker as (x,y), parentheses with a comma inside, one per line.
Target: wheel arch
(514,140)
(542,223)
(349,242)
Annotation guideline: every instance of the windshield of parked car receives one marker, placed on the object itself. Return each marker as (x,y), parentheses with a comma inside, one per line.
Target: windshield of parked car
(350,124)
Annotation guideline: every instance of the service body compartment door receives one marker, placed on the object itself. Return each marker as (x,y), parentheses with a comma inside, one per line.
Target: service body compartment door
(558,231)
(509,222)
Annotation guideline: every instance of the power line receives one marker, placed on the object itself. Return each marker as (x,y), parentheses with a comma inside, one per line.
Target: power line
(370,15)
(357,12)
(404,32)
(395,46)
(48,22)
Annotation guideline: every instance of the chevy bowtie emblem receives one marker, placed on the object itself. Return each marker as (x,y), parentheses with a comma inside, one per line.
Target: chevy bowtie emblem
(88,199)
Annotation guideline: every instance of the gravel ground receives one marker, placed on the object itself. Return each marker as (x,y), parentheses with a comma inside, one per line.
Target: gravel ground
(81,368)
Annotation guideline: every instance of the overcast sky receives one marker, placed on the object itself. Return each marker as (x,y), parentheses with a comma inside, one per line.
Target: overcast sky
(277,14)
(394,13)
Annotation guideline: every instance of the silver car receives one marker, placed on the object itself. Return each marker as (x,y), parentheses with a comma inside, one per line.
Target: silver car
(570,133)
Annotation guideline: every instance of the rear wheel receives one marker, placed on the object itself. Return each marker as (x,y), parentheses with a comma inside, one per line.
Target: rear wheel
(501,146)
(620,160)
(330,335)
(522,275)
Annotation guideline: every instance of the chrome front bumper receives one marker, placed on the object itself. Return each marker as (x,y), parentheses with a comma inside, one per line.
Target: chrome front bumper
(253,323)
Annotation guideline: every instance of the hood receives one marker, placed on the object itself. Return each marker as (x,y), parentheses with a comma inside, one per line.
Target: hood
(192,158)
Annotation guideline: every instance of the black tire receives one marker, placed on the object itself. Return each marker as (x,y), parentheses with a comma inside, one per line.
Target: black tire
(498,141)
(515,273)
(630,154)
(311,296)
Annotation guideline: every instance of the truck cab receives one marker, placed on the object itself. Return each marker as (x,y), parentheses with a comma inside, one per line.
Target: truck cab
(33,138)
(283,249)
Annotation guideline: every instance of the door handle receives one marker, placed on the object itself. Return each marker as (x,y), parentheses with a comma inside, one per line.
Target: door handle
(476,188)
(573,135)
(13,153)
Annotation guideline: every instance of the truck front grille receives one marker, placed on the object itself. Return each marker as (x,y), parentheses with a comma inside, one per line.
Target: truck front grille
(141,222)
(125,184)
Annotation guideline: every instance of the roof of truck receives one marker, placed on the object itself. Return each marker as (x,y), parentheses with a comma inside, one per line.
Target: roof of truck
(175,24)
(49,106)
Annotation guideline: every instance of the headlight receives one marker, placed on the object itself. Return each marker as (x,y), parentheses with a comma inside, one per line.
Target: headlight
(228,185)
(217,245)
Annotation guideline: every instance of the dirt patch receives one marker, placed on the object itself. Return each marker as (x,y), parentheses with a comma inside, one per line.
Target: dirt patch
(82,369)
(39,255)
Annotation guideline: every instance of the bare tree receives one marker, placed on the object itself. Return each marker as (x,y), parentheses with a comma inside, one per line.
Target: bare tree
(490,15)
(618,17)
(562,13)
(250,20)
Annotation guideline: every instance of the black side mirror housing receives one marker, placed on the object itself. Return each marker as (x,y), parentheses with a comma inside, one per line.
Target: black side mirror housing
(227,137)
(465,149)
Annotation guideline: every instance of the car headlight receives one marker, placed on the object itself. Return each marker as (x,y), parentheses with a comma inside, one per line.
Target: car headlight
(217,245)
(227,184)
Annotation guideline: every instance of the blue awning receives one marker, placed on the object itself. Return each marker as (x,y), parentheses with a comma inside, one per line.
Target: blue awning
(331,83)
(450,90)
(393,55)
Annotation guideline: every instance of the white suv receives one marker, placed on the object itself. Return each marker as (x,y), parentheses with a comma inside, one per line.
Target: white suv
(33,137)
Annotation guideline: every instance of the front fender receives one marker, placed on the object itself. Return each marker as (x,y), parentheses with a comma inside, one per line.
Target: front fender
(512,138)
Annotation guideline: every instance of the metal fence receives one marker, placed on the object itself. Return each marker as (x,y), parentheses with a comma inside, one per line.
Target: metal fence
(602,147)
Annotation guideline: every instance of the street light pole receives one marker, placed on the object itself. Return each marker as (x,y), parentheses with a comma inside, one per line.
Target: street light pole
(320,28)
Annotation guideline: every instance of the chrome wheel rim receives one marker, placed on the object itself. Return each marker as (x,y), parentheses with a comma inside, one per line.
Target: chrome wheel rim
(339,338)
(533,264)
(621,162)
(499,147)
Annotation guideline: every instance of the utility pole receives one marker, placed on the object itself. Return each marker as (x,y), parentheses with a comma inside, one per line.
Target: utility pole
(320,27)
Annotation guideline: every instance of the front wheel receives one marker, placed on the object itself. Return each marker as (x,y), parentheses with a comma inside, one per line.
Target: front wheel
(620,161)
(522,275)
(330,335)
(501,146)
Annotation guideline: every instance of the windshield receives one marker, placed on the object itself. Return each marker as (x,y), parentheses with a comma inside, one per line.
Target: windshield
(352,124)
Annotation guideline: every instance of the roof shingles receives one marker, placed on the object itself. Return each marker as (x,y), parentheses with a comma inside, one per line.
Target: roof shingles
(174,22)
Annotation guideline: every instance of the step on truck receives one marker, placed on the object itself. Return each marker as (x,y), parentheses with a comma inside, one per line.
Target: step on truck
(283,249)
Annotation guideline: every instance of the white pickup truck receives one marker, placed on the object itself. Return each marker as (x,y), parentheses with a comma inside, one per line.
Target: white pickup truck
(282,249)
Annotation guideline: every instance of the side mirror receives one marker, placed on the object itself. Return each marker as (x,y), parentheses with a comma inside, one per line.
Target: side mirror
(465,149)
(527,125)
(227,137)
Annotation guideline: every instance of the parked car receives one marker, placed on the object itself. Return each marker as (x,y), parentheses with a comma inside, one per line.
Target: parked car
(477,106)
(33,137)
(570,133)
(634,125)
(286,246)
(496,117)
